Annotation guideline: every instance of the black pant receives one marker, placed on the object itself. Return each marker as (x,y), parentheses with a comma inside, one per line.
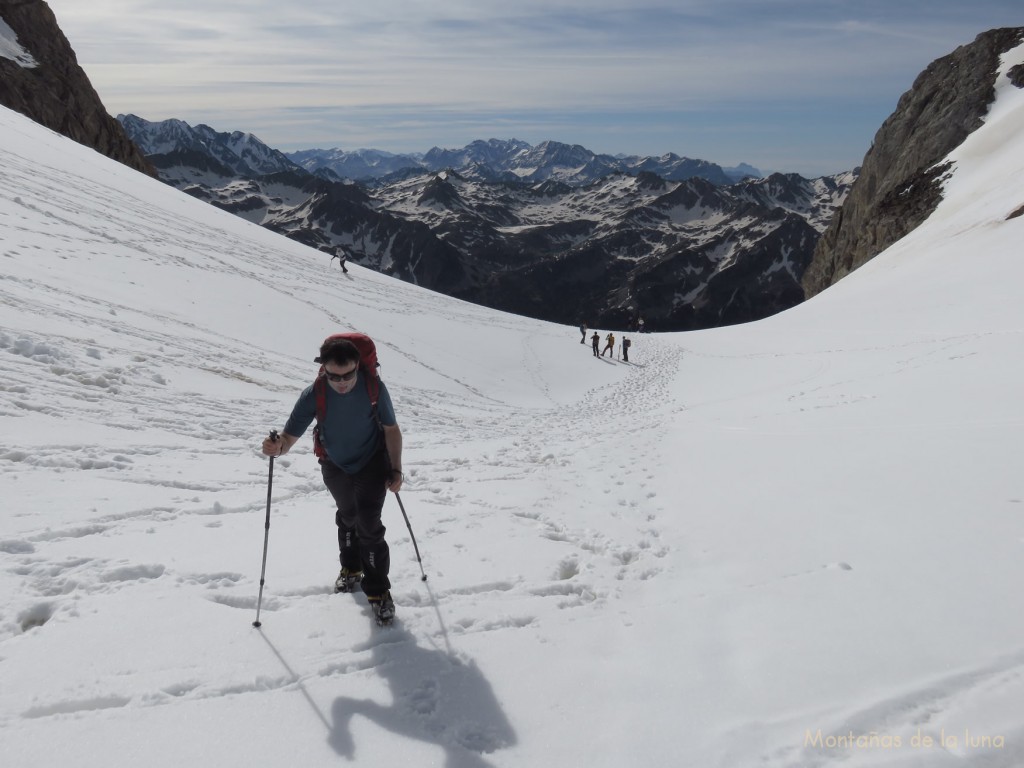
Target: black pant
(360,498)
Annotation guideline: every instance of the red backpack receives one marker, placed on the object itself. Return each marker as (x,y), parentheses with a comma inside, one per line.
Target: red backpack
(367,364)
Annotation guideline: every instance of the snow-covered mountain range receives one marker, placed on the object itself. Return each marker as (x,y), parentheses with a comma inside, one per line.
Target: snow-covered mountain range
(234,153)
(491,160)
(630,243)
(515,160)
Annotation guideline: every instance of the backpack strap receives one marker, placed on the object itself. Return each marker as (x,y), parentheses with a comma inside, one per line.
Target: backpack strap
(320,395)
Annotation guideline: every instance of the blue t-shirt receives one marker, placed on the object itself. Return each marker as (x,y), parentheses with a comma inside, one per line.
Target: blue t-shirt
(349,430)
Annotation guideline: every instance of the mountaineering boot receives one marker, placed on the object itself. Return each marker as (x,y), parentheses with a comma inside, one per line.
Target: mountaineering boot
(348,581)
(383,608)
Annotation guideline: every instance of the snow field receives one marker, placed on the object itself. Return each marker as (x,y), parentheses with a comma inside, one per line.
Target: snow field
(744,538)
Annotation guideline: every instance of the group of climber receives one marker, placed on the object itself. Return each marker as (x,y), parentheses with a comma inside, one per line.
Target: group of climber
(609,346)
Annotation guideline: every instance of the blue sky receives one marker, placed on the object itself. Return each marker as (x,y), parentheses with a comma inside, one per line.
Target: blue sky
(793,85)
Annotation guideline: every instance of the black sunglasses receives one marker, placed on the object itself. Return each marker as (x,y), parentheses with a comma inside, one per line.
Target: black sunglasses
(336,377)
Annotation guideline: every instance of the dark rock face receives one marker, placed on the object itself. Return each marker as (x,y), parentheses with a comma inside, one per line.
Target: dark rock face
(407,250)
(57,93)
(694,256)
(900,182)
(1017,75)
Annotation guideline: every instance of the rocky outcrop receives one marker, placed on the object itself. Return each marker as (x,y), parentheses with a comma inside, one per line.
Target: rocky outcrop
(1017,75)
(56,92)
(900,181)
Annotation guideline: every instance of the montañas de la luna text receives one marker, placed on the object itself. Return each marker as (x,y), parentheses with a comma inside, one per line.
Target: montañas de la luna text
(875,740)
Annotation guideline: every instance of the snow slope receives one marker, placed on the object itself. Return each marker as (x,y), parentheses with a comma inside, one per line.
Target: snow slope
(793,543)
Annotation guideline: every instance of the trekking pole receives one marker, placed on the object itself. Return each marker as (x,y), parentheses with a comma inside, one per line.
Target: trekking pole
(419,560)
(266,535)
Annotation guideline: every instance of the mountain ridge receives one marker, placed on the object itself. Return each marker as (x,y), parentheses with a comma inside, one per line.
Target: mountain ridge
(487,233)
(514,160)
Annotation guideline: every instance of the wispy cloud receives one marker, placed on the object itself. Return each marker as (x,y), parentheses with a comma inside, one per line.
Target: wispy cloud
(405,75)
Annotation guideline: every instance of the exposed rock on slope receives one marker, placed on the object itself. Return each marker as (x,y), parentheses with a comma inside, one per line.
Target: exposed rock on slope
(56,91)
(900,181)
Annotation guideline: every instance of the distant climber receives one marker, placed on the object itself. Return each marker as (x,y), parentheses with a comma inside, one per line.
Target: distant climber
(610,345)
